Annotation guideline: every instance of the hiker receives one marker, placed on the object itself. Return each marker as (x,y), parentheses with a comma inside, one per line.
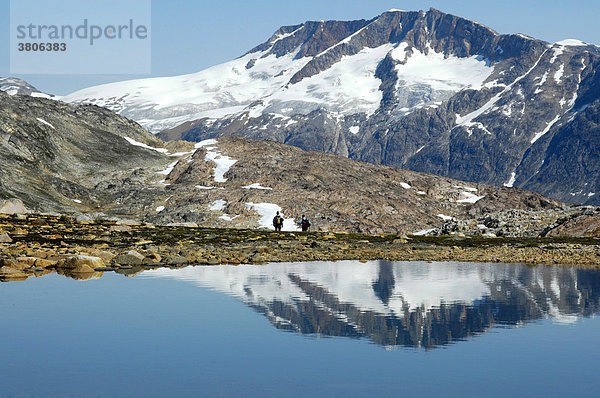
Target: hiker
(278,222)
(304,223)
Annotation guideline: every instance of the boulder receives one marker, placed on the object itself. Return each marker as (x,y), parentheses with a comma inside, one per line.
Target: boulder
(13,206)
(130,257)
(77,262)
(4,238)
(19,263)
(120,228)
(176,260)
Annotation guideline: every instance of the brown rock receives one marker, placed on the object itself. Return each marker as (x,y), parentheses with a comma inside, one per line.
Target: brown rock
(73,262)
(6,270)
(120,228)
(153,256)
(52,237)
(130,257)
(19,263)
(83,268)
(176,260)
(4,238)
(45,263)
(13,206)
(129,222)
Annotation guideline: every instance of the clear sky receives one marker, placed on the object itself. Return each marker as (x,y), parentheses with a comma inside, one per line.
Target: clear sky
(190,35)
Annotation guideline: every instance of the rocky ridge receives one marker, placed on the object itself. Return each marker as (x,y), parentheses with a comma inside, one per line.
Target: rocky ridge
(16,86)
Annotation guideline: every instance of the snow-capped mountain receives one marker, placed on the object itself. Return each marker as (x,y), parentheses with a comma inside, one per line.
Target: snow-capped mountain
(411,304)
(426,91)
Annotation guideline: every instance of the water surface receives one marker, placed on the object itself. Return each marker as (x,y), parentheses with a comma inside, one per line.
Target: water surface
(321,329)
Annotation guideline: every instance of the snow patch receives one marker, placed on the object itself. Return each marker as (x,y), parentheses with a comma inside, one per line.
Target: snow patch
(445,217)
(76,200)
(141,144)
(543,79)
(438,71)
(45,122)
(41,95)
(282,36)
(424,232)
(160,208)
(223,162)
(405,185)
(556,52)
(217,205)
(349,86)
(511,180)
(469,197)
(169,169)
(571,42)
(470,189)
(267,211)
(205,187)
(256,185)
(210,141)
(354,129)
(548,127)
(559,73)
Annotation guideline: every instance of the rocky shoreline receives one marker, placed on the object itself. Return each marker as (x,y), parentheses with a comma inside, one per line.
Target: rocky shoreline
(34,245)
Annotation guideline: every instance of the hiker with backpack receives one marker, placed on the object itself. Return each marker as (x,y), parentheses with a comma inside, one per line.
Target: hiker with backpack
(304,223)
(278,222)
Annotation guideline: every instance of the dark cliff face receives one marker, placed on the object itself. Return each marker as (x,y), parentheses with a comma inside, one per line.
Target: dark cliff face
(528,125)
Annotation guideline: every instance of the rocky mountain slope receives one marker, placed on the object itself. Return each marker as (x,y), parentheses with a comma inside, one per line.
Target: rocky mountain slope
(57,157)
(335,192)
(83,159)
(427,91)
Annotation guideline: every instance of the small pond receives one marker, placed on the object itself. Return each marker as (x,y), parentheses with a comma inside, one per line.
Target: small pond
(332,329)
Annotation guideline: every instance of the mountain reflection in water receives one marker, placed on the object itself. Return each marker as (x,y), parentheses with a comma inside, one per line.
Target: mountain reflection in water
(412,304)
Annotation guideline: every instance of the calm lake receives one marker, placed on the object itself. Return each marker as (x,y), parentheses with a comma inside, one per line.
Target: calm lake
(378,329)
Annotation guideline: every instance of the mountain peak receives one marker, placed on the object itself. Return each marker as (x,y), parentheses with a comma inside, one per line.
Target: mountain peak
(424,90)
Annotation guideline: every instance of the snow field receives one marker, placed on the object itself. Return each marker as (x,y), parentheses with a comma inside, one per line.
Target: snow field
(267,211)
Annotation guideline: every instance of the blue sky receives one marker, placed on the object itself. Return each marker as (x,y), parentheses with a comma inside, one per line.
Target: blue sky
(188,36)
